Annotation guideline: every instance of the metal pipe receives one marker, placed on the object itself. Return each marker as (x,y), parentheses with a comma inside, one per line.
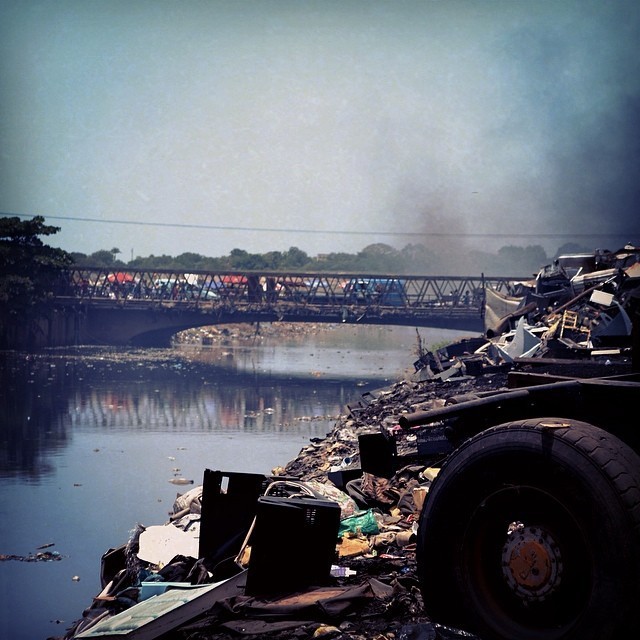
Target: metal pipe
(419,418)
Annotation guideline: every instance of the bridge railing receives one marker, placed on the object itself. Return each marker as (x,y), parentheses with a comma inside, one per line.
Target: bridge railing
(240,288)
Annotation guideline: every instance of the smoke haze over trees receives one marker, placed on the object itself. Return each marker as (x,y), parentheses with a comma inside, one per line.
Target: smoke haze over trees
(413,259)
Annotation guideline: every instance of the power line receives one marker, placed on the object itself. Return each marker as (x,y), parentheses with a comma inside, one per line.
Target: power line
(185,225)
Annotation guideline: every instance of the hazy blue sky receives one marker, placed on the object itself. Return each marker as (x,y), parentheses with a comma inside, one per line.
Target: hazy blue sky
(323,119)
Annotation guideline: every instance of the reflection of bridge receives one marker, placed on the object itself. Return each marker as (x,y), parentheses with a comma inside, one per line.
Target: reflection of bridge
(99,306)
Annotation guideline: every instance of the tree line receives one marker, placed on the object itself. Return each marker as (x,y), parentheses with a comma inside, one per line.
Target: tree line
(414,259)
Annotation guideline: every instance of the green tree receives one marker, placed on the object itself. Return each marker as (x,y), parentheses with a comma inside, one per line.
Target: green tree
(418,259)
(80,259)
(188,260)
(103,258)
(274,260)
(294,258)
(241,259)
(30,271)
(374,258)
(378,258)
(152,262)
(521,260)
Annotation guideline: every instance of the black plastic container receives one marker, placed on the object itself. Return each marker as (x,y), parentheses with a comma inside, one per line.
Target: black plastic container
(293,544)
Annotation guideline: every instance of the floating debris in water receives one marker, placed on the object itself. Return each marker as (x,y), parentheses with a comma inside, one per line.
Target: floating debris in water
(41,556)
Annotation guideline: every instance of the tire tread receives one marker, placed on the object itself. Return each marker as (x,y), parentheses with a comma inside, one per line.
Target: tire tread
(604,449)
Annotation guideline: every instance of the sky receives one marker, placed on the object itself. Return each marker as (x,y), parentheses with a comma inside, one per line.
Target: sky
(162,127)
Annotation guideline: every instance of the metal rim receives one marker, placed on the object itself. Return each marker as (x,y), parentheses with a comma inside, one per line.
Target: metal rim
(531,562)
(526,563)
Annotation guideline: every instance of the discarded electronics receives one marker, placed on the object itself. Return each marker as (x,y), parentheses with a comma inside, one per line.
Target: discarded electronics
(154,616)
(284,531)
(239,533)
(529,500)
(532,521)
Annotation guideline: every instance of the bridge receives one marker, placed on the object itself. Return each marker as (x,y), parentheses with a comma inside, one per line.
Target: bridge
(146,308)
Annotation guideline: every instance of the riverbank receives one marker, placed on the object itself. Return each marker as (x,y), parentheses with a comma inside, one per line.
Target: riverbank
(388,556)
(375,575)
(376,591)
(382,598)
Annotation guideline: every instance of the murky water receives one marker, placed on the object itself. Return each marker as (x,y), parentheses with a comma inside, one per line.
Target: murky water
(92,438)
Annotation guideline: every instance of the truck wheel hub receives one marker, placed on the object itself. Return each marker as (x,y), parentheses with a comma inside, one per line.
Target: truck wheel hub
(531,562)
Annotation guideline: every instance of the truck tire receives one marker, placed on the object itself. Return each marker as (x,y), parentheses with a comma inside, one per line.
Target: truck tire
(531,531)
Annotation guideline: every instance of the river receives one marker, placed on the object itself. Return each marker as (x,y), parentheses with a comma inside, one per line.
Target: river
(93,439)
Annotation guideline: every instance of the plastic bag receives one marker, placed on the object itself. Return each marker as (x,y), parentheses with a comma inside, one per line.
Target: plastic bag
(364,523)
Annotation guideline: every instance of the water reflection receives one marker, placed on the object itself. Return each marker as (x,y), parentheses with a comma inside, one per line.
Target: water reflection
(32,407)
(240,404)
(50,396)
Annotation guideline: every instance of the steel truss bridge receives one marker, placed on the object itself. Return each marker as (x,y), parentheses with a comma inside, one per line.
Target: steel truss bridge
(146,307)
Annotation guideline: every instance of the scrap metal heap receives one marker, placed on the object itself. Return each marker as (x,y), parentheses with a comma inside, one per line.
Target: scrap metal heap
(578,308)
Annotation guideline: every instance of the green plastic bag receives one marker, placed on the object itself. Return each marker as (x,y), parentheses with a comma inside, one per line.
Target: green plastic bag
(364,523)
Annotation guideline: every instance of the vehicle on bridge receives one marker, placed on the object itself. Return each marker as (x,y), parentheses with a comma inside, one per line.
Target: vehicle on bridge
(382,291)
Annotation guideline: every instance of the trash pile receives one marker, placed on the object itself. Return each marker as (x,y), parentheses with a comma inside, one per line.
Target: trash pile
(577,308)
(325,546)
(317,549)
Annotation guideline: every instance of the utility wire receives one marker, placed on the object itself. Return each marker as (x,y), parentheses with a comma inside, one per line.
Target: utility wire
(185,225)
